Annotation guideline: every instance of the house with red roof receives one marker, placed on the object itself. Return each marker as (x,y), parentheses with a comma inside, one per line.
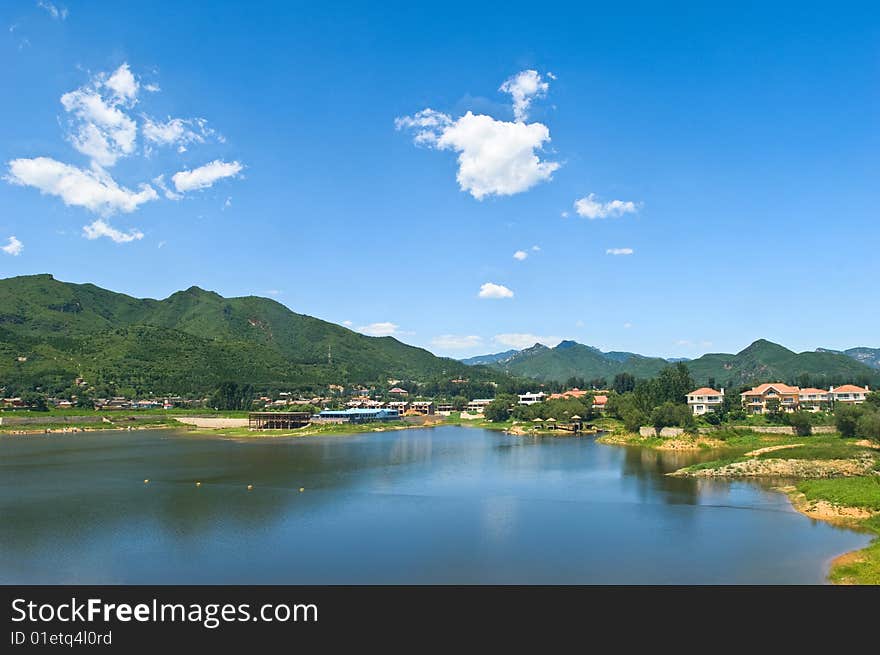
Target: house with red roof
(814,400)
(757,400)
(849,393)
(705,399)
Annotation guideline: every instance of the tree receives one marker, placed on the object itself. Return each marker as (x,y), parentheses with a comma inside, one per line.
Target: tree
(624,382)
(497,411)
(459,403)
(802,423)
(873,400)
(231,395)
(35,401)
(670,414)
(868,425)
(846,419)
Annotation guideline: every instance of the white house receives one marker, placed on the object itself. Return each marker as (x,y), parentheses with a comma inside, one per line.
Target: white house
(531,398)
(705,399)
(849,393)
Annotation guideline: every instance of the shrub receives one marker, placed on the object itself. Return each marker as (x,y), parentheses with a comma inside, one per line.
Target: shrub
(868,425)
(802,423)
(846,419)
(497,411)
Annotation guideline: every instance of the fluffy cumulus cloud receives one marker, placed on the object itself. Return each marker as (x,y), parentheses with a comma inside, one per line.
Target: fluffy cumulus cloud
(520,340)
(205,176)
(591,207)
(456,341)
(100,126)
(524,87)
(494,157)
(92,189)
(619,251)
(520,255)
(382,329)
(101,228)
(494,291)
(13,247)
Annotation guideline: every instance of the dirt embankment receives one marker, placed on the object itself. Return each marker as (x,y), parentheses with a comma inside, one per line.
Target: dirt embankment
(668,443)
(784,468)
(823,510)
(211,423)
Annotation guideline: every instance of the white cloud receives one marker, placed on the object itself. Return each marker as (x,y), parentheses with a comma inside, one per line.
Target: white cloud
(273,292)
(152,88)
(347,323)
(100,128)
(13,247)
(520,255)
(384,329)
(619,251)
(58,13)
(564,214)
(228,203)
(180,132)
(520,340)
(536,248)
(100,228)
(456,342)
(627,326)
(590,207)
(168,193)
(492,290)
(494,157)
(205,176)
(94,189)
(524,87)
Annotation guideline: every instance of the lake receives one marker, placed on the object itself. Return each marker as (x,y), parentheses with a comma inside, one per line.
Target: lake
(441,505)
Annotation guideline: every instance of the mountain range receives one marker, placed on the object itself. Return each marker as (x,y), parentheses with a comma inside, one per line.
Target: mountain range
(52,332)
(760,361)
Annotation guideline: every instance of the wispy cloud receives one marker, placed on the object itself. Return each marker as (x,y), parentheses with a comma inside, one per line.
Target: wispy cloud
(520,255)
(456,341)
(524,87)
(496,291)
(101,228)
(520,340)
(56,12)
(592,208)
(382,329)
(619,251)
(13,247)
(205,176)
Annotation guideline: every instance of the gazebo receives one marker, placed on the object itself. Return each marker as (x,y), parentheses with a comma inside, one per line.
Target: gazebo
(550,420)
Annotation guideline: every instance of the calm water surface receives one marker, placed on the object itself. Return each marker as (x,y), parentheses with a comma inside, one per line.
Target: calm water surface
(446,505)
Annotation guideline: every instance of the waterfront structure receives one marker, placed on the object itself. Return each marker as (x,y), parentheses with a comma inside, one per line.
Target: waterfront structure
(790,399)
(359,415)
(399,405)
(531,398)
(705,399)
(278,420)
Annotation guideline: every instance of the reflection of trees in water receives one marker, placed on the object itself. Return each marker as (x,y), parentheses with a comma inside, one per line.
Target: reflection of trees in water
(649,468)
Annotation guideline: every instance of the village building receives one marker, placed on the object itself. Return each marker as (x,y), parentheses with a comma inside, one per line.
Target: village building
(849,393)
(398,391)
(599,403)
(400,405)
(572,393)
(424,407)
(531,398)
(705,399)
(762,397)
(478,404)
(359,415)
(814,400)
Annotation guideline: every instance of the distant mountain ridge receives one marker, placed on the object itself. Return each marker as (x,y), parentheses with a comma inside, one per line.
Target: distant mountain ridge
(491,358)
(52,332)
(868,356)
(762,360)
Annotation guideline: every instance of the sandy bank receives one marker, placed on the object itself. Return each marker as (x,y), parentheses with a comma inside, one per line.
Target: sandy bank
(784,468)
(213,423)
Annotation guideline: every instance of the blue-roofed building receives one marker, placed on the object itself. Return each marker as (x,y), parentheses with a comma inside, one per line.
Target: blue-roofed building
(360,415)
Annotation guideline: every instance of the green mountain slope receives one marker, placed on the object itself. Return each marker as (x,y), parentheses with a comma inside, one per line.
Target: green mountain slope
(570,359)
(867,356)
(761,361)
(766,361)
(188,342)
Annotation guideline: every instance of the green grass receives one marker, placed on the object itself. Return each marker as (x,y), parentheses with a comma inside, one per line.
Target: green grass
(852,492)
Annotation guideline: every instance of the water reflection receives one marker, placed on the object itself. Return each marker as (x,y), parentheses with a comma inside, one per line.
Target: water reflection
(441,505)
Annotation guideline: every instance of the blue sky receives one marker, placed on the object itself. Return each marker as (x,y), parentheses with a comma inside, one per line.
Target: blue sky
(740,143)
